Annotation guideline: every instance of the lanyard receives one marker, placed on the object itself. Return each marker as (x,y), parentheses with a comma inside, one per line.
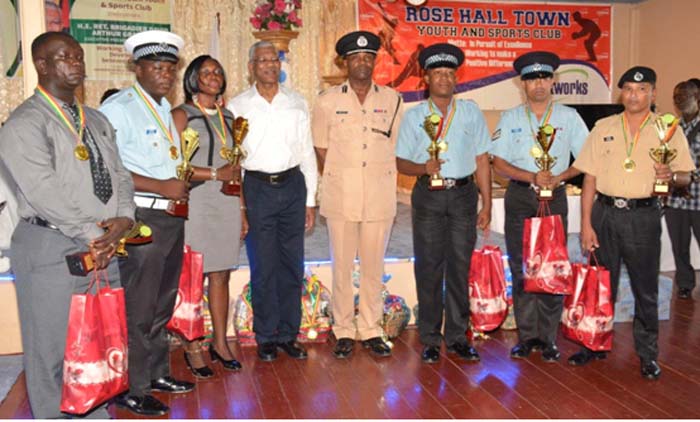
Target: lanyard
(446,127)
(547,116)
(625,126)
(154,114)
(63,116)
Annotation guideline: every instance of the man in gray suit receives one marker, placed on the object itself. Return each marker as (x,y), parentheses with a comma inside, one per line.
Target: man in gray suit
(73,195)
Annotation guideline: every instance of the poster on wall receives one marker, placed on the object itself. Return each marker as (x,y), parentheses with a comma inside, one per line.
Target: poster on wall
(492,35)
(101,27)
(9,42)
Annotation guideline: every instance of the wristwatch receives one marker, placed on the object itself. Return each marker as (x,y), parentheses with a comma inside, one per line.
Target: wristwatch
(213,173)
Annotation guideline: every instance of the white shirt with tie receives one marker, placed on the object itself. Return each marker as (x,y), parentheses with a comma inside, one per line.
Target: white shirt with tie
(279,136)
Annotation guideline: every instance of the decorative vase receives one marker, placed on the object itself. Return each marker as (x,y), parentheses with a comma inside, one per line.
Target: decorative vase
(280,38)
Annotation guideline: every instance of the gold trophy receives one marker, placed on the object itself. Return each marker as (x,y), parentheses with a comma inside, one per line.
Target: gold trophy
(433,127)
(544,161)
(235,154)
(189,142)
(665,128)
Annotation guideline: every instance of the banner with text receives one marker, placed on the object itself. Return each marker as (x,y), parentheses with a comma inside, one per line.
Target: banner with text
(101,27)
(492,35)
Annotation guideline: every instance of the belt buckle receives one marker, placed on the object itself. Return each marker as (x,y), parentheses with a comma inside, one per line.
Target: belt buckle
(450,183)
(273,179)
(621,203)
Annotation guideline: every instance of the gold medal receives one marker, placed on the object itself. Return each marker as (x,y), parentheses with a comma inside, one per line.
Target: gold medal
(312,334)
(536,152)
(629,165)
(81,152)
(173,152)
(224,153)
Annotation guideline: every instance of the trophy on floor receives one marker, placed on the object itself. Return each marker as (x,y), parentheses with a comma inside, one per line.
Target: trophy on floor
(544,161)
(665,128)
(235,155)
(81,263)
(189,142)
(433,127)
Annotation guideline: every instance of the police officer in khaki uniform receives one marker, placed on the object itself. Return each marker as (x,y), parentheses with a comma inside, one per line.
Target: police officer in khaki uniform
(623,221)
(354,129)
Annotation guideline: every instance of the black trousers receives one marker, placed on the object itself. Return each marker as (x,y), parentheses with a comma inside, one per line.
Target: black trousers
(536,314)
(275,246)
(679,224)
(444,235)
(150,276)
(633,237)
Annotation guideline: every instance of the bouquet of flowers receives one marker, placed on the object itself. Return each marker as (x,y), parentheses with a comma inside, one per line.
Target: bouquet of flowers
(274,15)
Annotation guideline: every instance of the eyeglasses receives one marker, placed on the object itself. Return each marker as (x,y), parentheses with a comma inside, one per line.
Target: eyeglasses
(264,60)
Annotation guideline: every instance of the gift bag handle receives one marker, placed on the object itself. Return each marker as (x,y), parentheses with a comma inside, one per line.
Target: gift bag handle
(543,209)
(96,280)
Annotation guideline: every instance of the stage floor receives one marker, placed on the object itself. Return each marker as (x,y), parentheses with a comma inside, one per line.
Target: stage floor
(403,387)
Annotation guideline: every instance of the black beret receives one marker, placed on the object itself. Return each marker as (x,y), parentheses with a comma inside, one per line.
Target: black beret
(638,74)
(441,55)
(357,42)
(536,64)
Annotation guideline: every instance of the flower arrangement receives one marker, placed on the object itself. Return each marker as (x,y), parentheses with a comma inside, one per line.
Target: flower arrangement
(272,15)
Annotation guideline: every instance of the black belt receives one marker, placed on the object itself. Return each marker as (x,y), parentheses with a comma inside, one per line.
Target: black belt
(627,204)
(40,222)
(529,185)
(449,181)
(272,178)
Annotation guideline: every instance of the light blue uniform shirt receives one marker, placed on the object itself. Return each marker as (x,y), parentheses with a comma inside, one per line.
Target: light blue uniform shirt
(143,146)
(467,137)
(513,138)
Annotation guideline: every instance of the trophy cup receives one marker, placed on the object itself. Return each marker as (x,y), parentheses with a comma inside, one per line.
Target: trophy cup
(433,127)
(544,161)
(665,128)
(189,142)
(81,263)
(235,154)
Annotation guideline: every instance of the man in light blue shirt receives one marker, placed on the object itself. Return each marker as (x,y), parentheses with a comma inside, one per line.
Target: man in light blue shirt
(514,151)
(444,214)
(149,147)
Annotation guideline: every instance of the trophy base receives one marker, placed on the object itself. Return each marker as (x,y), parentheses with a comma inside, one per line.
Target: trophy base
(437,184)
(80,264)
(545,195)
(231,189)
(178,209)
(661,189)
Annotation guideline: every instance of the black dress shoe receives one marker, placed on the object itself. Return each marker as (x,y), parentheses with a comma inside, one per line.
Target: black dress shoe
(431,354)
(377,346)
(550,353)
(229,365)
(146,405)
(171,385)
(343,348)
(521,350)
(204,372)
(293,349)
(464,351)
(536,344)
(651,370)
(584,355)
(267,351)
(684,293)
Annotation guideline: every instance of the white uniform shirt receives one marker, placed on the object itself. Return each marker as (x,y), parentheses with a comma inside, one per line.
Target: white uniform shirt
(279,136)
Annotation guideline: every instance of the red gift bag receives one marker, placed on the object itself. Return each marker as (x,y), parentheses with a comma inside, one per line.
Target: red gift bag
(545,258)
(588,313)
(95,358)
(488,304)
(188,319)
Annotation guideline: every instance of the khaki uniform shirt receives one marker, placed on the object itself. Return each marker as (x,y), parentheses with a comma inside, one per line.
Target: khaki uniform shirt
(359,176)
(604,152)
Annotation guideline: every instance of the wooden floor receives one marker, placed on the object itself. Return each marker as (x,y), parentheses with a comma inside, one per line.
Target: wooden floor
(403,387)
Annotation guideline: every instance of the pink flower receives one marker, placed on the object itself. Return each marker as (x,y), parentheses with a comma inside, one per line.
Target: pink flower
(257,23)
(279,7)
(293,18)
(274,25)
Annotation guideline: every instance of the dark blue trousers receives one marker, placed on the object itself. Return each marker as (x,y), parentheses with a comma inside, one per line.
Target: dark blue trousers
(275,246)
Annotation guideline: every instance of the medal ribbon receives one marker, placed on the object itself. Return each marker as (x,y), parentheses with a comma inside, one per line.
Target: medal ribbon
(220,130)
(311,319)
(68,121)
(625,127)
(444,128)
(547,116)
(154,114)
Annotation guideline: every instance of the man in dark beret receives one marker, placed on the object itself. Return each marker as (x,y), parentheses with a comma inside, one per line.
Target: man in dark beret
(444,214)
(515,149)
(354,129)
(620,217)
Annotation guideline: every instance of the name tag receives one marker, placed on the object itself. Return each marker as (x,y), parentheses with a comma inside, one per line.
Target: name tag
(380,110)
(516,130)
(341,112)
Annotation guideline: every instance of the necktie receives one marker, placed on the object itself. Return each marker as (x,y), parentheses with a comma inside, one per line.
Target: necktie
(101,180)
